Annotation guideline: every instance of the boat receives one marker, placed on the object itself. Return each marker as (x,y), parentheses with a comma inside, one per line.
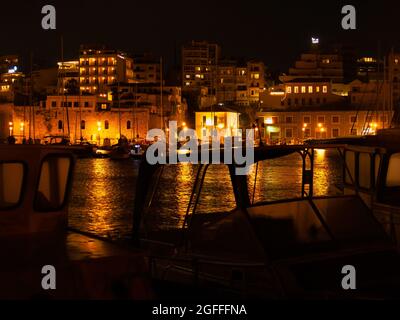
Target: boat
(103,152)
(35,184)
(137,151)
(119,152)
(82,149)
(288,249)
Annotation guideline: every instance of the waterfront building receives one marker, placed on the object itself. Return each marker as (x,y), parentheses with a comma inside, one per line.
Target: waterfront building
(301,92)
(87,116)
(294,125)
(222,119)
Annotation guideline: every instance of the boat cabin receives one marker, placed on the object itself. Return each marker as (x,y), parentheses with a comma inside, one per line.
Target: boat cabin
(280,248)
(35,183)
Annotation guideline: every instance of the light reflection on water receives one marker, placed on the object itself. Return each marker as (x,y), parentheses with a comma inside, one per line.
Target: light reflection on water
(103,190)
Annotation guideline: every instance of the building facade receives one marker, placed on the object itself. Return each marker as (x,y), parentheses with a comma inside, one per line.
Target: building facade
(87,117)
(240,83)
(199,63)
(301,92)
(316,65)
(146,69)
(100,67)
(295,126)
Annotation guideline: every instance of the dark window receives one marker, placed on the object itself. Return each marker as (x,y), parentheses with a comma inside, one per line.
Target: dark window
(60,125)
(76,104)
(106,124)
(128,124)
(307,119)
(86,104)
(69,104)
(289,119)
(335,119)
(310,102)
(335,132)
(289,102)
(83,124)
(54,104)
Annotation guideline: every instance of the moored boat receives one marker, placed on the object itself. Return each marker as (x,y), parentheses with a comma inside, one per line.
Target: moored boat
(294,248)
(35,183)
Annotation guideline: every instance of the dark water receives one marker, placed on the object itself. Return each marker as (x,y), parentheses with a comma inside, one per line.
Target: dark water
(103,191)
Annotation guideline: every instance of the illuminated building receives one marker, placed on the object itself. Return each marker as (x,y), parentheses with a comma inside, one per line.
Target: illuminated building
(199,63)
(301,92)
(224,120)
(240,83)
(100,67)
(294,126)
(68,71)
(87,116)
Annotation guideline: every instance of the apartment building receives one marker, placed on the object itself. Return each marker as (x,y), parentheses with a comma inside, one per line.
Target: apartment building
(199,63)
(100,67)
(240,83)
(316,65)
(146,69)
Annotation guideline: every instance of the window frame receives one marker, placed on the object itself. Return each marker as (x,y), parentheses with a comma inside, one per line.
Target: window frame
(68,185)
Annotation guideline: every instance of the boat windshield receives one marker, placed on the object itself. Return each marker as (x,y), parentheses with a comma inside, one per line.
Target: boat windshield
(55,174)
(11,182)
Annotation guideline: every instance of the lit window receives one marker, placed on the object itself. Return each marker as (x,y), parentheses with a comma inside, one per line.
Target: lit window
(317,89)
(256,76)
(188,76)
(325,89)
(288,89)
(296,89)
(310,89)
(303,89)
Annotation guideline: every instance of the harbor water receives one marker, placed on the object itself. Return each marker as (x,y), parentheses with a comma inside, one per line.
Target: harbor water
(103,190)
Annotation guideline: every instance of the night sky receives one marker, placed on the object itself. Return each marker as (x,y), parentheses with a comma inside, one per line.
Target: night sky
(274,31)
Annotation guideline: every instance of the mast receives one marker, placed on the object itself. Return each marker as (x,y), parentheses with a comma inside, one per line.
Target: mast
(64,94)
(161,93)
(30,98)
(119,110)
